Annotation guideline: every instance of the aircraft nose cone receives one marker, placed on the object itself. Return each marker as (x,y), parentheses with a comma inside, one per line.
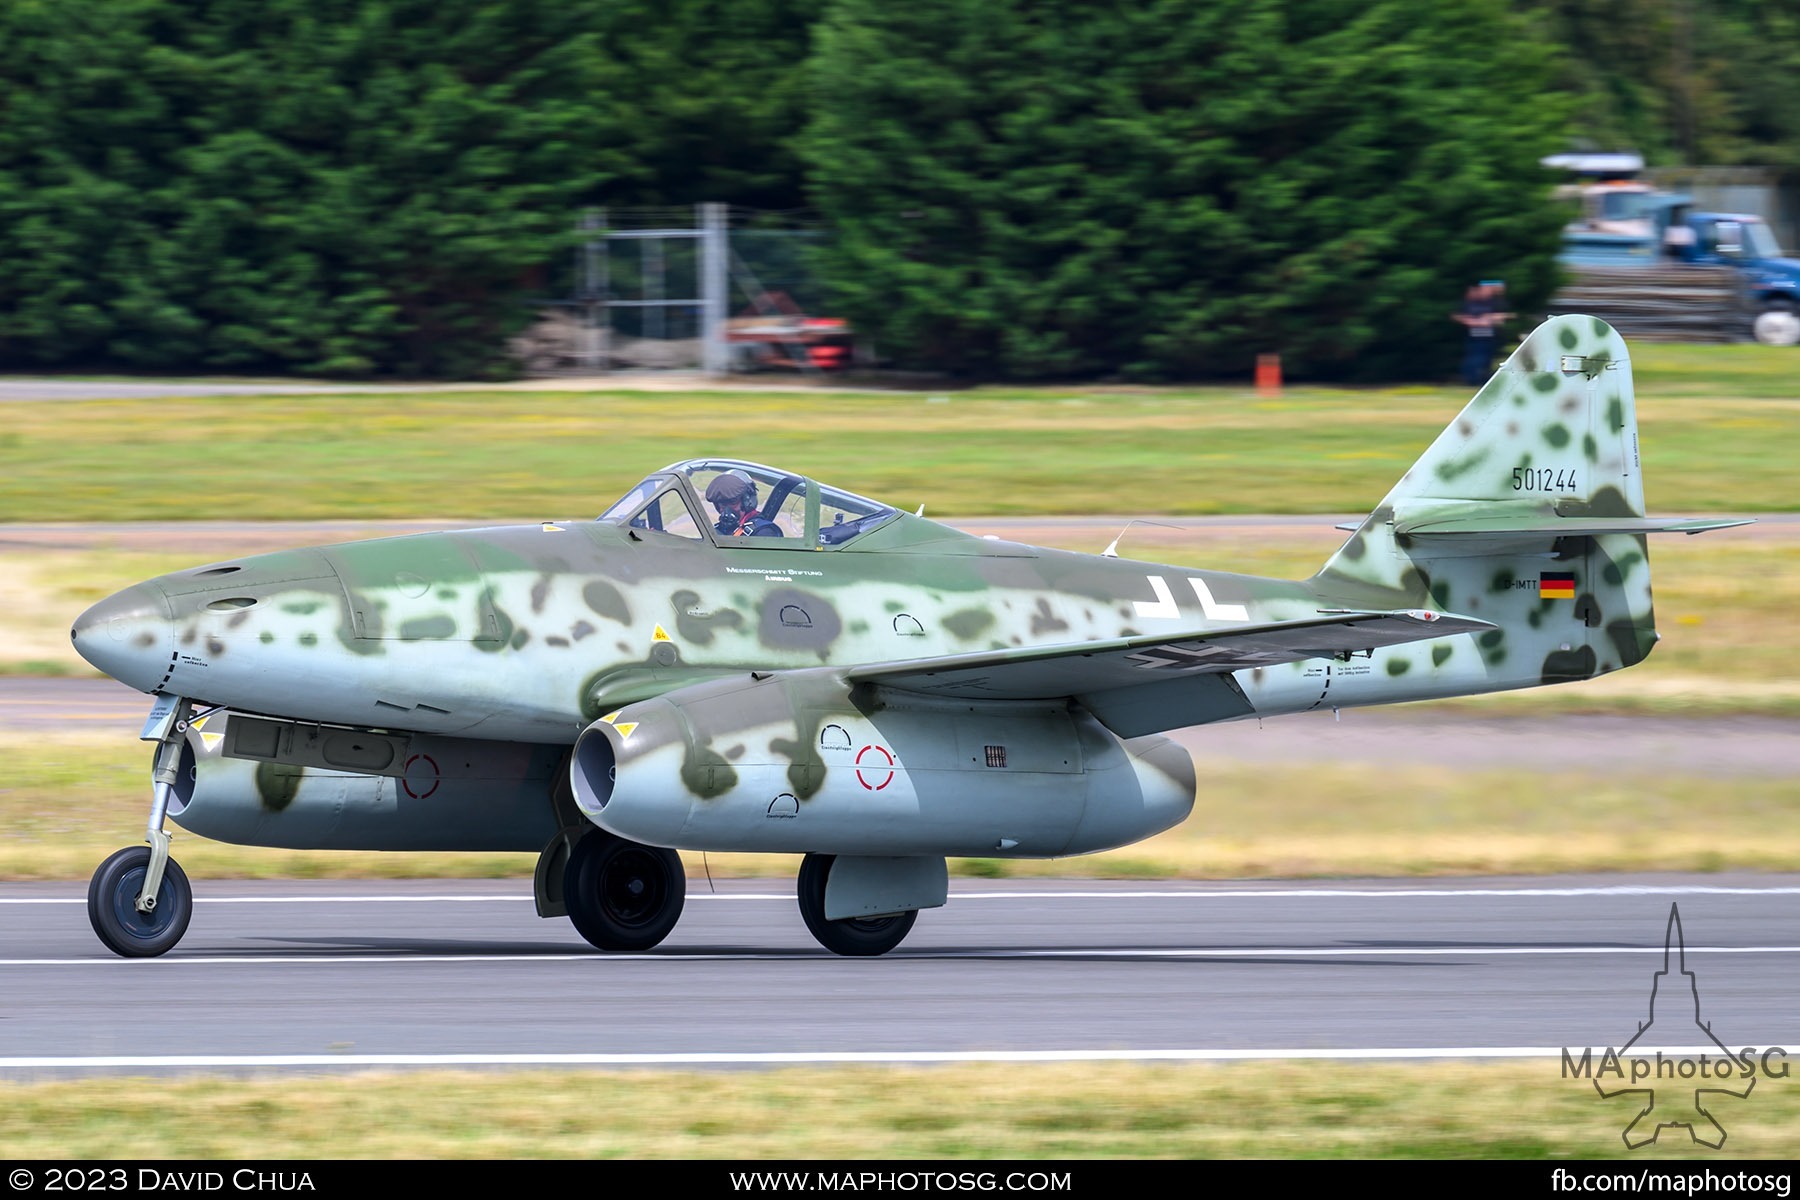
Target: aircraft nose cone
(129,635)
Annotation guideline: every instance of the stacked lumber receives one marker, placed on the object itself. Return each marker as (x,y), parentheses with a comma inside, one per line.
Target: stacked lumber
(1666,303)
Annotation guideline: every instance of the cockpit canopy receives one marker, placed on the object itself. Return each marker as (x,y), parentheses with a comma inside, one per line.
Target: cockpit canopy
(783,511)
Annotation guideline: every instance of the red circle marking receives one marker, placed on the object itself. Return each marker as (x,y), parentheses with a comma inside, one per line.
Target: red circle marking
(406,781)
(874,770)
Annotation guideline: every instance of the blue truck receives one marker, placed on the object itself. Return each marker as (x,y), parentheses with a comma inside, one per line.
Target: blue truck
(1627,223)
(1771,281)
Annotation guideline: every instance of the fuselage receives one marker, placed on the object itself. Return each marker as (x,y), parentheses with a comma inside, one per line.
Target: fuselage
(528,633)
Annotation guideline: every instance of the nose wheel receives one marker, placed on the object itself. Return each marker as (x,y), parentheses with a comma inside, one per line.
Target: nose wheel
(113,905)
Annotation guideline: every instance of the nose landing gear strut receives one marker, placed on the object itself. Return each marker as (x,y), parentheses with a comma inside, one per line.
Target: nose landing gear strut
(139,900)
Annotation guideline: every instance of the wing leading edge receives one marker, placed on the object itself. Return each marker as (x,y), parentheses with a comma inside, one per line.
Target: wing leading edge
(1152,682)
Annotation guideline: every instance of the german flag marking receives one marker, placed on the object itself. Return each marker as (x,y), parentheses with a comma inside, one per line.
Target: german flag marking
(1556,585)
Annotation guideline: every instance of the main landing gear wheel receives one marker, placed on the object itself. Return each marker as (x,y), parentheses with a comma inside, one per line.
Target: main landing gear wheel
(620,895)
(113,910)
(853,937)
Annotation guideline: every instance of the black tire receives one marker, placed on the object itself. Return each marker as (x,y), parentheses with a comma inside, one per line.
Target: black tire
(852,937)
(113,911)
(622,895)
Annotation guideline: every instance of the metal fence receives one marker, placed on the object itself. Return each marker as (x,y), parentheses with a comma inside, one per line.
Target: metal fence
(711,288)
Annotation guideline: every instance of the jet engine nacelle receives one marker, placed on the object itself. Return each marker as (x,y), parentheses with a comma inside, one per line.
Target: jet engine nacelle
(438,793)
(804,762)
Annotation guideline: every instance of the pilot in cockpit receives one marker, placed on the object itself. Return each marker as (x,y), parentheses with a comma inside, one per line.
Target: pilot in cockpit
(734,495)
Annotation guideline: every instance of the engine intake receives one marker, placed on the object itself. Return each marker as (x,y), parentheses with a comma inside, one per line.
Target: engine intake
(802,762)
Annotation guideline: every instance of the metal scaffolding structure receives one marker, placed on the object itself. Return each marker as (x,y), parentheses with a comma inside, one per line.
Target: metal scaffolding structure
(651,292)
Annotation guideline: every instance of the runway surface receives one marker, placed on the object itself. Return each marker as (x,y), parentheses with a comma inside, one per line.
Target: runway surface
(332,975)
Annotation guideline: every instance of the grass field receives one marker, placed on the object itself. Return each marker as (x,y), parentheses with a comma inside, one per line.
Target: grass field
(1053,1111)
(1719,427)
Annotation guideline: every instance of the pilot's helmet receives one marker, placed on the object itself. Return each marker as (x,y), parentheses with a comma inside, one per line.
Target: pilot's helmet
(734,487)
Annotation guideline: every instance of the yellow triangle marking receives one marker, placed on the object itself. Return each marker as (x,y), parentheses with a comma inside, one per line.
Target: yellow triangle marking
(661,635)
(612,716)
(209,740)
(625,730)
(549,528)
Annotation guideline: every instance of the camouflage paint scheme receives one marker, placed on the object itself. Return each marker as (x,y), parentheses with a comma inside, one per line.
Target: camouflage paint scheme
(731,687)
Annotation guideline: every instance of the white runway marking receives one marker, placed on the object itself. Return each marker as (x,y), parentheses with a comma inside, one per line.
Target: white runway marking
(781,1057)
(598,958)
(1391,893)
(1261,893)
(331,899)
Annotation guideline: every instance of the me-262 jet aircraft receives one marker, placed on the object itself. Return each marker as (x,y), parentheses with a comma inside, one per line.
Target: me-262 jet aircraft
(737,658)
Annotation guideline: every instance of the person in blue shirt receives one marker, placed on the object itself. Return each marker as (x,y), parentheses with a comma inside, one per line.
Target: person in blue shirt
(1480,314)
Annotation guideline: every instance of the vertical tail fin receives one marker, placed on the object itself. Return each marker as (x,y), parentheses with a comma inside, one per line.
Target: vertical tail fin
(1527,511)
(1552,435)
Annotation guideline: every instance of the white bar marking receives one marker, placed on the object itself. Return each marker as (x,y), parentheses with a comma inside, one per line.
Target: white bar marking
(599,959)
(1264,893)
(1163,607)
(1214,610)
(780,1057)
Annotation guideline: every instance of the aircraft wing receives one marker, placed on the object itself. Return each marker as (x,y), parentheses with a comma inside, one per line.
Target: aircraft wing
(1152,682)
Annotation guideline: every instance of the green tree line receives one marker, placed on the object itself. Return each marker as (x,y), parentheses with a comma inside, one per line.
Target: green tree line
(1150,188)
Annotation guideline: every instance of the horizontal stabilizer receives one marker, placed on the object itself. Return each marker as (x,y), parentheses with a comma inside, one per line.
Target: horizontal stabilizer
(1083,668)
(1555,526)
